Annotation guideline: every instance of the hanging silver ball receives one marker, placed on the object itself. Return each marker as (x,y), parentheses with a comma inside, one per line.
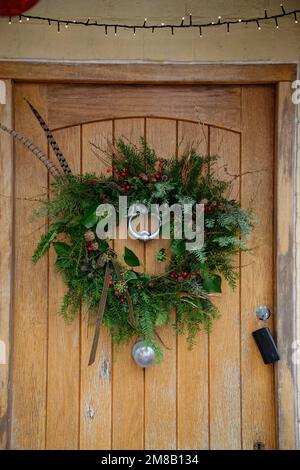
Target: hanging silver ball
(144,356)
(263,312)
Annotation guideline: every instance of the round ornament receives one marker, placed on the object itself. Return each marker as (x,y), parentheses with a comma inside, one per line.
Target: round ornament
(143,355)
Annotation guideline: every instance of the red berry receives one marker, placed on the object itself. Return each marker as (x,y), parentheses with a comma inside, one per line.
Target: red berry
(122,299)
(175,275)
(108,170)
(90,247)
(158,176)
(161,161)
(180,279)
(123,173)
(221,204)
(110,282)
(117,292)
(197,273)
(209,209)
(184,274)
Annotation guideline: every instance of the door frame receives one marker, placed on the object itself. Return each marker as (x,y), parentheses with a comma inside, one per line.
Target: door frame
(282,76)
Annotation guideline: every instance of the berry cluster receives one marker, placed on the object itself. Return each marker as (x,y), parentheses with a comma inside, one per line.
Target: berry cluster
(180,277)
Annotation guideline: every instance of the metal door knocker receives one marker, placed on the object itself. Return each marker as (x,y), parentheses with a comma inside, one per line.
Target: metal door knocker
(135,211)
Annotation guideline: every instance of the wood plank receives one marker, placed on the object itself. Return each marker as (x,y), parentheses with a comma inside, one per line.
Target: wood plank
(214,105)
(96,380)
(258,408)
(160,380)
(6,243)
(128,388)
(30,282)
(285,266)
(192,366)
(182,73)
(224,354)
(63,342)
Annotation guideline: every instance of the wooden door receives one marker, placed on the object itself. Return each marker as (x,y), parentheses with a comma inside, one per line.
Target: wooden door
(220,395)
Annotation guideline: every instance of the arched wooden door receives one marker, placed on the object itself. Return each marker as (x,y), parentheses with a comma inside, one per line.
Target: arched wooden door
(220,395)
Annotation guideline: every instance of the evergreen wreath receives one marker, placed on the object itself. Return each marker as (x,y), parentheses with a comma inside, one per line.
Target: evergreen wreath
(130,303)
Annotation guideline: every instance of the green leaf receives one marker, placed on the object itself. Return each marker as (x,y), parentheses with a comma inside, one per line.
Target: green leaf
(178,247)
(62,249)
(90,219)
(130,276)
(44,245)
(103,246)
(130,258)
(212,283)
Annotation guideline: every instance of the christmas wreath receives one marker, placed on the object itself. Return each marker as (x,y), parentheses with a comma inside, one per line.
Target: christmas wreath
(128,302)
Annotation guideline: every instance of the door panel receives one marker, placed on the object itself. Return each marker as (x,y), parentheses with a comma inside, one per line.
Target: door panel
(220,395)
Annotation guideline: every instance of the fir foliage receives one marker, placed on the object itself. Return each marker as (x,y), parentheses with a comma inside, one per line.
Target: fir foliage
(190,275)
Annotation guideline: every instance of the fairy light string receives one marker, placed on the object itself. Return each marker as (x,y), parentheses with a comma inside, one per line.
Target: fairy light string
(183,24)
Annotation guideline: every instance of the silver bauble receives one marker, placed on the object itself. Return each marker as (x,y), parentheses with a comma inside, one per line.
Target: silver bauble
(143,355)
(263,312)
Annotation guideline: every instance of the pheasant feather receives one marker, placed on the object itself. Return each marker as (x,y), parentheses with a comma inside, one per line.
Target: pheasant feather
(62,161)
(34,149)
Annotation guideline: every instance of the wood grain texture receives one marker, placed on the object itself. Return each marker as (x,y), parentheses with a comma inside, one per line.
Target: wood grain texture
(30,282)
(224,341)
(116,404)
(128,386)
(6,244)
(192,366)
(258,406)
(182,73)
(63,340)
(216,105)
(96,380)
(285,265)
(160,380)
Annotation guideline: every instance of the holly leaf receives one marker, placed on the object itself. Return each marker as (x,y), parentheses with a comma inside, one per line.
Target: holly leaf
(177,247)
(90,219)
(130,258)
(212,283)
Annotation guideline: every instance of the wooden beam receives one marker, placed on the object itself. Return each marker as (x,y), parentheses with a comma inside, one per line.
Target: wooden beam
(6,244)
(148,73)
(285,194)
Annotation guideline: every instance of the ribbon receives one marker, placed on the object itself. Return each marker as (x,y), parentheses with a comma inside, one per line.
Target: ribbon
(100,314)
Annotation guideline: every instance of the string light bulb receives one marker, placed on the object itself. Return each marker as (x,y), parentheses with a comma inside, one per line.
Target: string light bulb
(182,21)
(200,31)
(296,19)
(9,20)
(66,25)
(191,19)
(27,19)
(116,30)
(58,27)
(163,24)
(105,30)
(228,28)
(20,19)
(145,21)
(258,25)
(276,23)
(134,33)
(282,8)
(240,20)
(49,23)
